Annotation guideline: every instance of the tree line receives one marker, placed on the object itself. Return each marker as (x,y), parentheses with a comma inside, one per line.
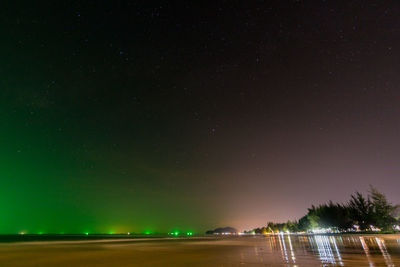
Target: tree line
(364,213)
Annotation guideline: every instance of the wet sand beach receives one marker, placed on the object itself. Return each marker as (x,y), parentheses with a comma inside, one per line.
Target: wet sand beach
(277,250)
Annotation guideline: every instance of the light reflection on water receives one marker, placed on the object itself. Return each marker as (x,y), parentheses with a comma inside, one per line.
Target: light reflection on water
(386,255)
(328,250)
(366,250)
(291,249)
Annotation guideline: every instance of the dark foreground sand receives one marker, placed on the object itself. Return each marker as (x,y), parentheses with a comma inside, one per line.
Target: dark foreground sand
(348,250)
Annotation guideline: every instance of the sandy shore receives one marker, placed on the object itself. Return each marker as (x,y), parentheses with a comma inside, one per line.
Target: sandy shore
(237,251)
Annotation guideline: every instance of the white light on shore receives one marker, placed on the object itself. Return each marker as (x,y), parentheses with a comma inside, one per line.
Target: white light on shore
(321,230)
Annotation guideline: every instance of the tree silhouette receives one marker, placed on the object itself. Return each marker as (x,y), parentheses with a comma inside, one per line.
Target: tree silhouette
(373,210)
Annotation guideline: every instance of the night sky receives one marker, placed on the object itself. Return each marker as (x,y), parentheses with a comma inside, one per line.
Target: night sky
(154,116)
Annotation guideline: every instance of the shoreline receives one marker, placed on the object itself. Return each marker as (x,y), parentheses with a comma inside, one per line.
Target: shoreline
(99,238)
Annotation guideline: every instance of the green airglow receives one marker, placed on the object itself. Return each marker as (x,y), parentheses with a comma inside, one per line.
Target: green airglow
(68,178)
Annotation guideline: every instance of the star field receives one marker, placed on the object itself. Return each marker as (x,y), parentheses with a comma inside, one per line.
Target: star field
(137,115)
